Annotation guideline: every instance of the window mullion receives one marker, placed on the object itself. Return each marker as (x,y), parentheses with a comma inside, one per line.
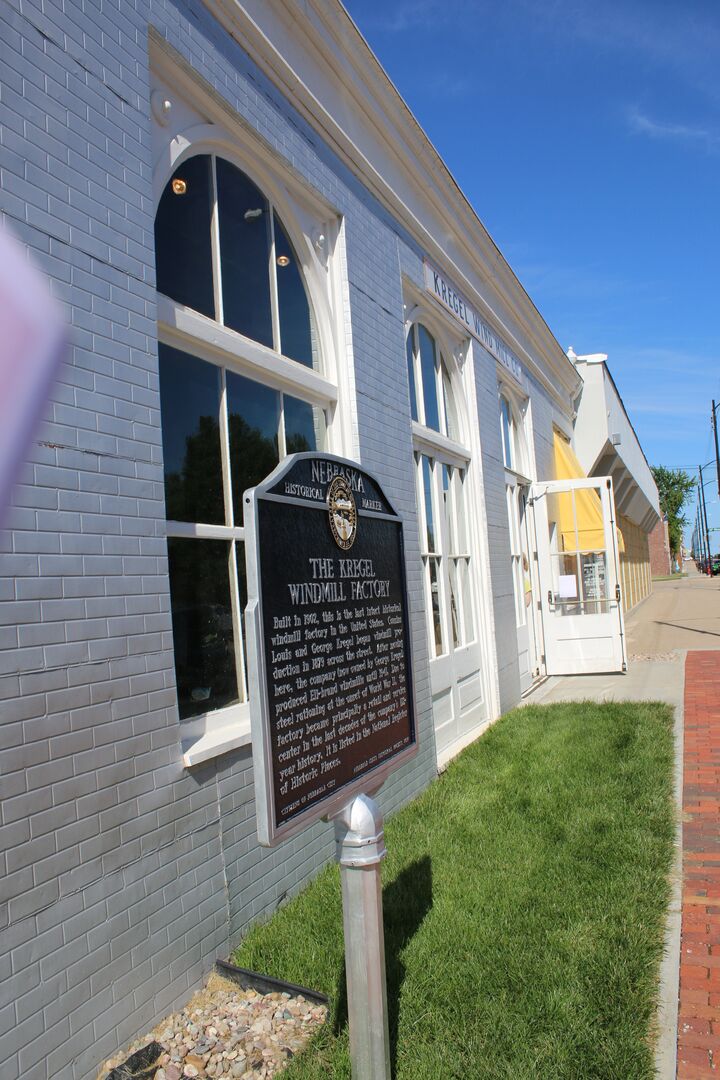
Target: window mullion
(215,248)
(272,270)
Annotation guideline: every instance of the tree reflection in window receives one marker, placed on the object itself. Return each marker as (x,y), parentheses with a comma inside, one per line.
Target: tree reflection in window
(202,624)
(190,404)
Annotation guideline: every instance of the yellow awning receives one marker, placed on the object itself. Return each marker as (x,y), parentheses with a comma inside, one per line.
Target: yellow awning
(588,507)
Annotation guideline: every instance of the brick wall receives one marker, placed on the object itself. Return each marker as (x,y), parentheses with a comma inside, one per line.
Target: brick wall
(124,873)
(660,562)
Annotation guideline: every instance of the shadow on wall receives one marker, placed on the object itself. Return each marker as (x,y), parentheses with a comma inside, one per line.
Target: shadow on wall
(406,902)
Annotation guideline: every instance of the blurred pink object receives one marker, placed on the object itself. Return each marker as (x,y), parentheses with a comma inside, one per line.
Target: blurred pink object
(33,340)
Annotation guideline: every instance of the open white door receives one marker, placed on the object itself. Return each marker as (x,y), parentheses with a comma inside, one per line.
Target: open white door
(580,599)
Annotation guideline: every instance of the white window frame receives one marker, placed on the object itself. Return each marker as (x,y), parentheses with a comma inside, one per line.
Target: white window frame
(218,731)
(442,450)
(516,477)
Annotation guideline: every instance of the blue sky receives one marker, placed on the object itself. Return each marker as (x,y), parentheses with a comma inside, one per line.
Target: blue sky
(586,134)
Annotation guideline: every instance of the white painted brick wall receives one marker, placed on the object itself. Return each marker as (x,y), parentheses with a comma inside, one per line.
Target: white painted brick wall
(125,875)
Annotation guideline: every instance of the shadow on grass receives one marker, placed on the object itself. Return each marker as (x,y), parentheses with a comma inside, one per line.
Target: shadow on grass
(406,902)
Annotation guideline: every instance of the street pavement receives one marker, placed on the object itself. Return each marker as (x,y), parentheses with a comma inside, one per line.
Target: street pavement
(681,616)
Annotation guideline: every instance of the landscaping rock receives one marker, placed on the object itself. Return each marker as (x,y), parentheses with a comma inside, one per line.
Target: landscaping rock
(224,1033)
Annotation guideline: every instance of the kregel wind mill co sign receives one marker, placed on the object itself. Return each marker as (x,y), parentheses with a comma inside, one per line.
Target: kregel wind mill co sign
(332,705)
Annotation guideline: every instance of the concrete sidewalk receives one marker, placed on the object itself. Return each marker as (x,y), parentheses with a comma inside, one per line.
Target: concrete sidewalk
(680,615)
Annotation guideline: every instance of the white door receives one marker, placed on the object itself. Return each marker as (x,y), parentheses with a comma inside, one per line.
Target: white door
(578,574)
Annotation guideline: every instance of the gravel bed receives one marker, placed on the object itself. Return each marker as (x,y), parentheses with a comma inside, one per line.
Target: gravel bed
(228,1033)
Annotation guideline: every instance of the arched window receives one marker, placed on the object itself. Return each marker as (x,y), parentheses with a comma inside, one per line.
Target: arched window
(229,411)
(431,399)
(445,509)
(222,250)
(515,460)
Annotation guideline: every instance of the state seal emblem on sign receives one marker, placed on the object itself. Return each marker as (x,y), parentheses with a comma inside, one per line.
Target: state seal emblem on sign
(342,512)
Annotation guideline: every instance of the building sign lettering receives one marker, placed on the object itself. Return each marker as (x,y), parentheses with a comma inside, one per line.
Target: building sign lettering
(464,313)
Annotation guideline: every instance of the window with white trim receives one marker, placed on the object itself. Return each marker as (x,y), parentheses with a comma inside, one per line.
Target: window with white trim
(223,252)
(515,461)
(431,399)
(441,472)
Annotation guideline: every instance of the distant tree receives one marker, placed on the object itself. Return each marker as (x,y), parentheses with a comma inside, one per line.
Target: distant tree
(674,488)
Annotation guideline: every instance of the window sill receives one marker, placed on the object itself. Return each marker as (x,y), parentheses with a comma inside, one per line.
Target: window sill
(217,741)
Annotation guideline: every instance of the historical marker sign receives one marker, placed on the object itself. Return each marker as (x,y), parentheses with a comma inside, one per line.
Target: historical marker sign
(332,701)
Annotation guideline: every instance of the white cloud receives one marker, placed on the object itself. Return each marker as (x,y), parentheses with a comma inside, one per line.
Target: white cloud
(641,124)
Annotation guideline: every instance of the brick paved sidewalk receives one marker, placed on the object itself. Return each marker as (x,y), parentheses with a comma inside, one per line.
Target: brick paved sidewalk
(699,1005)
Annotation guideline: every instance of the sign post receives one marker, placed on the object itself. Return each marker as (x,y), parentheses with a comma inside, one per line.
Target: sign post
(360,850)
(331,692)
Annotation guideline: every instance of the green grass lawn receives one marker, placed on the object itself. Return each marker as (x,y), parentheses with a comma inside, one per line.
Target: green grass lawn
(524,900)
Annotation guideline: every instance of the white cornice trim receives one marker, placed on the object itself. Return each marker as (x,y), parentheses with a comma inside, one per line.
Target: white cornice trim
(323,31)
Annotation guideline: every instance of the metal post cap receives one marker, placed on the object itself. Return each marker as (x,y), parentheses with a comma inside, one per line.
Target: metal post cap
(359,833)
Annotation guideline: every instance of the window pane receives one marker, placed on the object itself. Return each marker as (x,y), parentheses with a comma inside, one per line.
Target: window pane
(451,423)
(183,253)
(505,426)
(427,489)
(454,620)
(448,509)
(304,425)
(253,417)
(295,333)
(464,570)
(427,365)
(460,511)
(244,254)
(202,625)
(435,604)
(189,407)
(411,374)
(243,599)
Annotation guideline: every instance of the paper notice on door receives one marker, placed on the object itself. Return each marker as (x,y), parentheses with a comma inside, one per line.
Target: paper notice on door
(568,587)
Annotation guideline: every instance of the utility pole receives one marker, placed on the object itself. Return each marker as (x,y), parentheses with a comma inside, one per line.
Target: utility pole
(708,568)
(717,452)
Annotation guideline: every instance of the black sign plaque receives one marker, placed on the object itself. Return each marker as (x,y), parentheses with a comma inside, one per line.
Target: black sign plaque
(331,693)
